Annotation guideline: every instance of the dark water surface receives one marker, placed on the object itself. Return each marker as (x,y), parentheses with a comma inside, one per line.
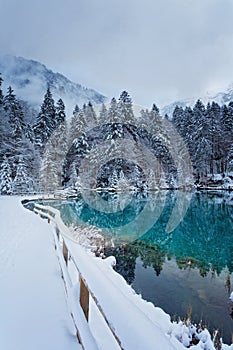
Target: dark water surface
(186,266)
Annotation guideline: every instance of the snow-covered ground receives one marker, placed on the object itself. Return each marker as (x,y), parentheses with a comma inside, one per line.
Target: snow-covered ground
(34,313)
(33,309)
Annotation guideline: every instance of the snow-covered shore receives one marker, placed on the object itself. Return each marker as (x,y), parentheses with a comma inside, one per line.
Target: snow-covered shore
(34,313)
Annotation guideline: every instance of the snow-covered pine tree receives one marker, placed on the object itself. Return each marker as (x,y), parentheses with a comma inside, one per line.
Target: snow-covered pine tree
(113,117)
(113,112)
(16,144)
(226,122)
(76,109)
(73,124)
(14,113)
(73,176)
(60,148)
(78,126)
(202,158)
(178,120)
(213,115)
(229,166)
(145,120)
(60,114)
(198,141)
(49,181)
(125,109)
(155,125)
(5,177)
(22,183)
(103,115)
(46,120)
(90,116)
(51,171)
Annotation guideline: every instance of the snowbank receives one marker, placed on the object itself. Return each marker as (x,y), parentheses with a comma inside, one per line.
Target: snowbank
(34,313)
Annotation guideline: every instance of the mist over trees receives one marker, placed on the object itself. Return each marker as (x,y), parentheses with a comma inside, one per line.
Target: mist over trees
(41,152)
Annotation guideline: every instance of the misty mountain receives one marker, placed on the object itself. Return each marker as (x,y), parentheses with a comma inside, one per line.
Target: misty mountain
(30,79)
(221,98)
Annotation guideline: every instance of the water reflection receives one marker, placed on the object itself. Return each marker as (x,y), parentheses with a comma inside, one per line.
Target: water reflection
(204,237)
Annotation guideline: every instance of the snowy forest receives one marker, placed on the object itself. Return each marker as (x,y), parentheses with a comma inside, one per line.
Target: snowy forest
(42,151)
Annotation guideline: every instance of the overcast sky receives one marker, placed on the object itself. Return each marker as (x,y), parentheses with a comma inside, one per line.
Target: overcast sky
(158,50)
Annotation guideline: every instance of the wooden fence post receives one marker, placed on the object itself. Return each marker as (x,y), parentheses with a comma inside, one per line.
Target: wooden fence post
(84,298)
(58,233)
(65,252)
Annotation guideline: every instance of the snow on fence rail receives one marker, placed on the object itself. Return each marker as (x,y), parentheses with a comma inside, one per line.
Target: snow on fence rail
(129,325)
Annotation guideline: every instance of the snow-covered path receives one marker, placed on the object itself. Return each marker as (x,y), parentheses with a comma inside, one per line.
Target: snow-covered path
(33,310)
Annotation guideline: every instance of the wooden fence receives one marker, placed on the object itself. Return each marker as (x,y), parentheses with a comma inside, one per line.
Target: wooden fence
(66,256)
(115,307)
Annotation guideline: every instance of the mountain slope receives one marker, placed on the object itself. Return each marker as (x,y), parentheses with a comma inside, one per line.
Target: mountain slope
(30,79)
(221,98)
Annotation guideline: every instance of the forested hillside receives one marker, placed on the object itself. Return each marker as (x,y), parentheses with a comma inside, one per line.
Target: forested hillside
(113,147)
(208,133)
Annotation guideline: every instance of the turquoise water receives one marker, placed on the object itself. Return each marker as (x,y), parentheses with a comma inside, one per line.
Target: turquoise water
(180,259)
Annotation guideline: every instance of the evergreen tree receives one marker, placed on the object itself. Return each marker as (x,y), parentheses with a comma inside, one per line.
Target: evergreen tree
(5,177)
(155,109)
(125,109)
(14,113)
(199,108)
(103,115)
(78,126)
(73,176)
(202,156)
(145,119)
(214,136)
(60,147)
(73,132)
(178,119)
(226,120)
(51,171)
(46,120)
(60,112)
(90,116)
(49,181)
(229,166)
(22,183)
(113,112)
(114,118)
(29,133)
(155,121)
(17,144)
(76,109)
